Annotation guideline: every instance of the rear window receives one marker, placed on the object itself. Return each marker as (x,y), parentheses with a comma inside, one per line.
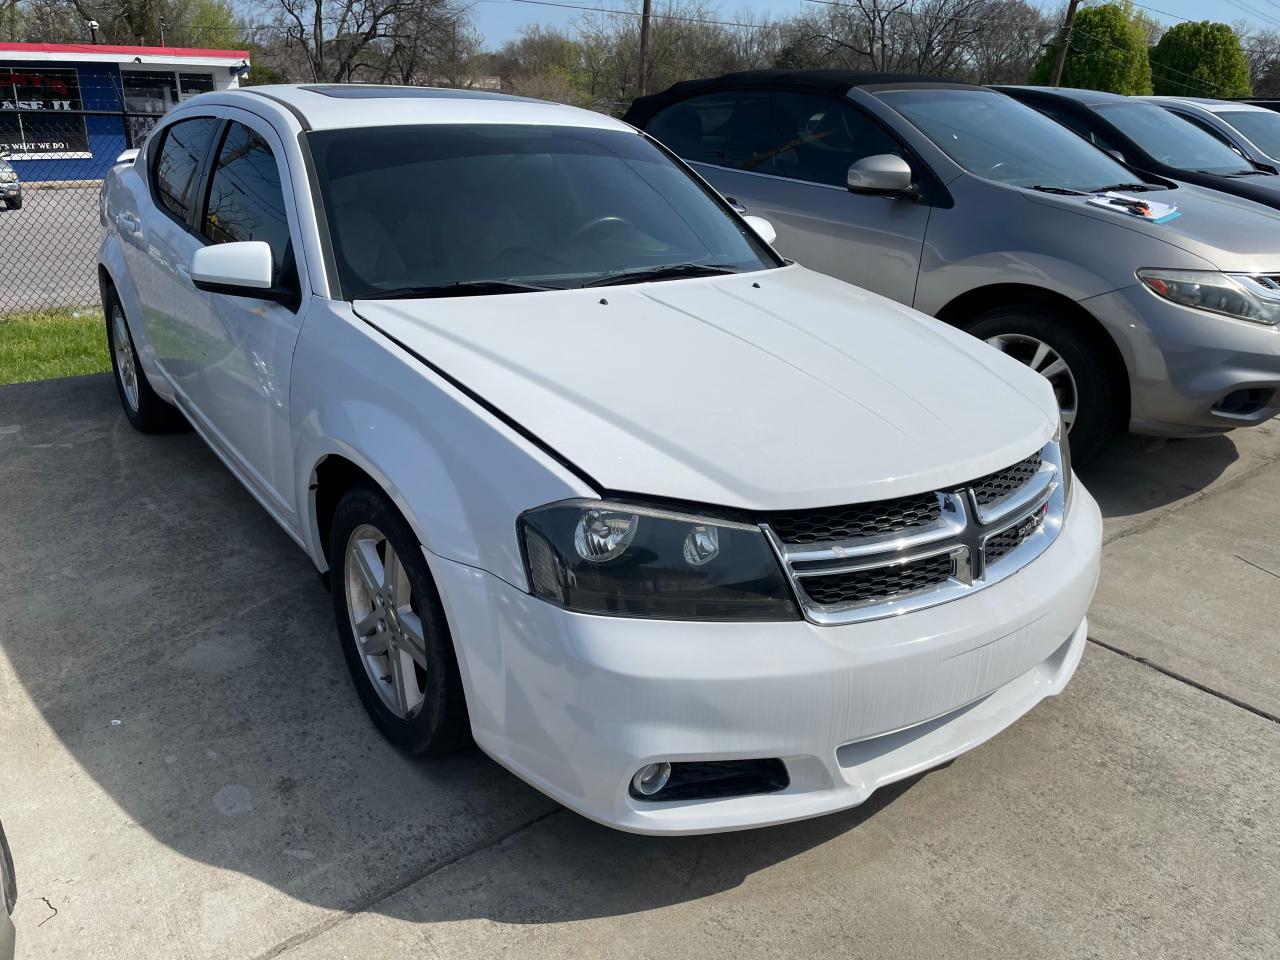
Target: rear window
(177,163)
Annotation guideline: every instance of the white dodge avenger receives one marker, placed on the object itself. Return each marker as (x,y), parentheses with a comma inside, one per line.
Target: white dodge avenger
(686,536)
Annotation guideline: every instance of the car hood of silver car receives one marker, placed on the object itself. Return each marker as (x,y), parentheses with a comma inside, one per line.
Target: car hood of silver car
(1227,232)
(767,390)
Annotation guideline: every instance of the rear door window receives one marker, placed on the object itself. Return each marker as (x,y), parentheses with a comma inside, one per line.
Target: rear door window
(696,129)
(177,164)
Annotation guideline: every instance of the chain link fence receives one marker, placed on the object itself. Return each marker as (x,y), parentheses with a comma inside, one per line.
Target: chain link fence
(56,150)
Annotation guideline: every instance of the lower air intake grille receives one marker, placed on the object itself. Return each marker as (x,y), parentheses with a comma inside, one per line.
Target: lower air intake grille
(833,524)
(882,583)
(1006,541)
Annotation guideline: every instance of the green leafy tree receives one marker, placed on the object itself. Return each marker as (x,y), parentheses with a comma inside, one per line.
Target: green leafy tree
(1108,51)
(1200,60)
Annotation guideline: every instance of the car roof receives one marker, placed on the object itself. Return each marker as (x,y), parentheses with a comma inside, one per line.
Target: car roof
(1088,97)
(319,106)
(1207,103)
(838,82)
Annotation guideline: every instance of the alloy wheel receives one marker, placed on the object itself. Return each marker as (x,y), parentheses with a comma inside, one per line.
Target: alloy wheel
(389,632)
(123,348)
(1047,362)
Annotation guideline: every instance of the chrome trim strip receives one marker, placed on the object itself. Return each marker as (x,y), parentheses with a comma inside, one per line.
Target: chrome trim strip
(1031,490)
(950,523)
(963,533)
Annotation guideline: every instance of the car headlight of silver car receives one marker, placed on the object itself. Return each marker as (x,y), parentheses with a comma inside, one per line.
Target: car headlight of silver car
(1230,294)
(626,560)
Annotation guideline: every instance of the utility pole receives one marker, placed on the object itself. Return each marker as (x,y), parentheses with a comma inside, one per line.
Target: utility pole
(644,49)
(1064,41)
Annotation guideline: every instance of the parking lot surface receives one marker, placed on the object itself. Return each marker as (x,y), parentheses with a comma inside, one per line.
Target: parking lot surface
(187,771)
(44,248)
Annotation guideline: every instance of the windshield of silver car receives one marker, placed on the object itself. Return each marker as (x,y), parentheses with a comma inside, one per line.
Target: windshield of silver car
(995,137)
(456,210)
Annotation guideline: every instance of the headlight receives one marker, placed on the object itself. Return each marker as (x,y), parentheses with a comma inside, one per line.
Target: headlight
(1234,295)
(624,560)
(1064,455)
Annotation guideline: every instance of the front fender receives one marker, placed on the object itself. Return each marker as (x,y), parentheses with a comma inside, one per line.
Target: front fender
(459,475)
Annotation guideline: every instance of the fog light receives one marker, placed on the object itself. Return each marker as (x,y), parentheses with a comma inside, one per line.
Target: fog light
(649,780)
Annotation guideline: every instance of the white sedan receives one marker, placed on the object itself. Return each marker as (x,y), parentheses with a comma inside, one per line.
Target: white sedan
(686,536)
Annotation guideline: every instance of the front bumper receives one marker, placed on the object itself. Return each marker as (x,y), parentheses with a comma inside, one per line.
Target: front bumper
(1183,363)
(576,704)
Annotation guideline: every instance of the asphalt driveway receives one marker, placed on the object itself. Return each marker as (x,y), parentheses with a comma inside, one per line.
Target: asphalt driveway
(186,772)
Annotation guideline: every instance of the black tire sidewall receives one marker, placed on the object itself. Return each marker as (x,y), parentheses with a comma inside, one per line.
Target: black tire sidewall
(441,725)
(154,415)
(1095,390)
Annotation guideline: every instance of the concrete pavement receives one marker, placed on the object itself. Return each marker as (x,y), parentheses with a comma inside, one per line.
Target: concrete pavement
(243,807)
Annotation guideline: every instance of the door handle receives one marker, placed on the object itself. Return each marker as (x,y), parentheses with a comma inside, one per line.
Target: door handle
(128,222)
(737,207)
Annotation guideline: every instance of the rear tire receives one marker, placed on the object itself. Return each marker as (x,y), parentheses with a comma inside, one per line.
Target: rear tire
(143,406)
(1055,345)
(392,627)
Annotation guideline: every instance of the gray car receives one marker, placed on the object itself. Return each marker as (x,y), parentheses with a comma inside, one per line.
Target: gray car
(10,185)
(982,212)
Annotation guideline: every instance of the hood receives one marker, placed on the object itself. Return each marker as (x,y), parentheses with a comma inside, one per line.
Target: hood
(1229,232)
(763,391)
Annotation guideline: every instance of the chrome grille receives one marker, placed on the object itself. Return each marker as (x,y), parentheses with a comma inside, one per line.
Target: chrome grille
(879,583)
(858,520)
(994,487)
(871,560)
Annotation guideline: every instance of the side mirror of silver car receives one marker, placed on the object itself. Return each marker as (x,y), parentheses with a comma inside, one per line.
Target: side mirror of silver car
(882,173)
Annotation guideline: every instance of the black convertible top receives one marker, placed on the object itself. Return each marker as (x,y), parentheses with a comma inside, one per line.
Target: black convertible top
(819,81)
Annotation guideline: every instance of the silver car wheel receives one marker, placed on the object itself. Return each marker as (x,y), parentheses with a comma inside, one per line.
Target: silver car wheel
(388,631)
(123,348)
(1047,362)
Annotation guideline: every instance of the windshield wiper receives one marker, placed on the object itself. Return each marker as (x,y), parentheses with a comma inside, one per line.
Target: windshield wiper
(1065,191)
(459,288)
(1246,173)
(671,271)
(1132,187)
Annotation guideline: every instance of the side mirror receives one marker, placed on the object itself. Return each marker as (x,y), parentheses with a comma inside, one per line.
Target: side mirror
(242,269)
(883,173)
(762,228)
(1115,154)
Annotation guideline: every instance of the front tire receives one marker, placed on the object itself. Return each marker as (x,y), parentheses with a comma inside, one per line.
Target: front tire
(1056,348)
(142,405)
(392,627)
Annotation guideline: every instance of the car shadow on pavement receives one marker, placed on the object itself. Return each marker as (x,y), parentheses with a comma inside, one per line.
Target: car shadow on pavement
(180,648)
(1134,475)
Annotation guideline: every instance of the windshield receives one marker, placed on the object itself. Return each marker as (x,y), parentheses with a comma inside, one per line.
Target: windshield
(1262,127)
(994,136)
(1172,140)
(504,208)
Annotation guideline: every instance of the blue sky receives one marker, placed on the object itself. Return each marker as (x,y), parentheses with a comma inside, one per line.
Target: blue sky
(500,20)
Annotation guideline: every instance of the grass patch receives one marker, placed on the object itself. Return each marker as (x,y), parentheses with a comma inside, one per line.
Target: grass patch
(52,343)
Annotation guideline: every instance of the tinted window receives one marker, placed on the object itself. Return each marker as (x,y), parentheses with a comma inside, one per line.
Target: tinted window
(696,129)
(804,136)
(996,137)
(1171,140)
(1262,127)
(177,165)
(430,205)
(246,201)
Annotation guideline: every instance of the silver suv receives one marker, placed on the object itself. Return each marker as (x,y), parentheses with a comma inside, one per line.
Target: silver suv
(982,212)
